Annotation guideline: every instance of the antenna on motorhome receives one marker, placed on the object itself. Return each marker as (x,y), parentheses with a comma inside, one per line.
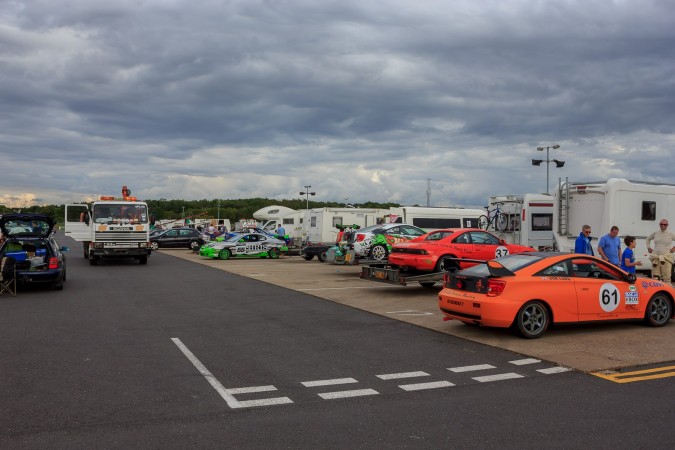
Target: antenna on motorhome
(428,192)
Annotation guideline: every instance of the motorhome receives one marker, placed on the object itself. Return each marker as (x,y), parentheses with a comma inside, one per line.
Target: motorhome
(434,218)
(529,219)
(634,206)
(320,223)
(292,220)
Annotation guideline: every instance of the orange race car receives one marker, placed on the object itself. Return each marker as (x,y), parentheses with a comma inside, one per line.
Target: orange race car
(443,250)
(530,291)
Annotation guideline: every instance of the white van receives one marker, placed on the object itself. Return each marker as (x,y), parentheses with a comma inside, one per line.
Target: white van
(434,218)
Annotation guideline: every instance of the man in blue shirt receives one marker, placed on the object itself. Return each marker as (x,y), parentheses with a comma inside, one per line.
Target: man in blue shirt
(609,246)
(583,243)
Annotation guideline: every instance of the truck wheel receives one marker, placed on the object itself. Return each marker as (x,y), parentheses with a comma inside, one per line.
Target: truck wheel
(85,247)
(322,256)
(379,252)
(308,257)
(143,259)
(93,260)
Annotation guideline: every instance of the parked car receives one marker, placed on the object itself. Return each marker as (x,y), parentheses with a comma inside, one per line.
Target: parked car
(435,252)
(183,237)
(531,291)
(245,244)
(30,241)
(375,241)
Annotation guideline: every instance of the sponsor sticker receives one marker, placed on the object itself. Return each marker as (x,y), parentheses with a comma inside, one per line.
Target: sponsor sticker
(631,298)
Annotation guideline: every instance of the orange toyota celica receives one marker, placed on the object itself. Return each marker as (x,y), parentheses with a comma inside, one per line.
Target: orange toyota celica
(531,291)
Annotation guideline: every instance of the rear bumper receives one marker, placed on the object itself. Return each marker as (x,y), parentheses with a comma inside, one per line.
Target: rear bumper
(42,276)
(120,252)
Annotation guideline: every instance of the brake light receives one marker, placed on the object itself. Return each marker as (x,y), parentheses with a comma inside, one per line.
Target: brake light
(53,263)
(360,237)
(495,287)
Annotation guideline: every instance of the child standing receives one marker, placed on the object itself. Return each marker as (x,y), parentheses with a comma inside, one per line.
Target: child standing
(628,257)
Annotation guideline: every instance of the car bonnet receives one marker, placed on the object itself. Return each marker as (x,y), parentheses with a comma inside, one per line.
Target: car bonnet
(26,225)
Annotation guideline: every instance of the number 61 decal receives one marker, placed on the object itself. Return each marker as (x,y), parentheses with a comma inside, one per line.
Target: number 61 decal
(609,297)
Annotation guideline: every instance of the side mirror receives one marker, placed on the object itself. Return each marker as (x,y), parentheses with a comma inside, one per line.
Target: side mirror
(631,278)
(502,242)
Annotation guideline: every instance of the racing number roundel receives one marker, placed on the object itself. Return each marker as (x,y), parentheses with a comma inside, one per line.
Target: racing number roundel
(501,251)
(609,297)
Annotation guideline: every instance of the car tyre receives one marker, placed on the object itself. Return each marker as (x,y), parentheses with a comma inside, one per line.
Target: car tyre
(224,254)
(322,256)
(143,259)
(93,260)
(659,310)
(274,253)
(194,245)
(379,252)
(532,320)
(308,257)
(446,265)
(154,245)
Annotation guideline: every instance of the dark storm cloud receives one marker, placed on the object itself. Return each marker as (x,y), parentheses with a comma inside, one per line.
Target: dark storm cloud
(184,100)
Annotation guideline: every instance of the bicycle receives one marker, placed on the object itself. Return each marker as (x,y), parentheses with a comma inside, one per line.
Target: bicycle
(495,217)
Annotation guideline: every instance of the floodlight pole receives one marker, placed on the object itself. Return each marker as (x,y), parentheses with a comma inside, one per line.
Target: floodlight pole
(558,163)
(307,193)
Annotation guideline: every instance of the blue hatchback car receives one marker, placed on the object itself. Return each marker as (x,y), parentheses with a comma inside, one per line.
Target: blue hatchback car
(30,241)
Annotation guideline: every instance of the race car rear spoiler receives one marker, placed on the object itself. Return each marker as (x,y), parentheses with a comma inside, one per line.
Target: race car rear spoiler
(494,267)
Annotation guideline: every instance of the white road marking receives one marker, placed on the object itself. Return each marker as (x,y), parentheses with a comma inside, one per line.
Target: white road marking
(231,401)
(471,368)
(227,394)
(345,394)
(412,312)
(265,402)
(498,377)
(557,369)
(421,386)
(395,376)
(522,362)
(328,382)
(248,390)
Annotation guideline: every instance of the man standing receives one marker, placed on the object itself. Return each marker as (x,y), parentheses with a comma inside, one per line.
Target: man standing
(281,231)
(661,255)
(583,243)
(609,246)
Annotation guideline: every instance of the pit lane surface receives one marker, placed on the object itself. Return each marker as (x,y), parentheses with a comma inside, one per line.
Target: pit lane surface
(588,347)
(176,354)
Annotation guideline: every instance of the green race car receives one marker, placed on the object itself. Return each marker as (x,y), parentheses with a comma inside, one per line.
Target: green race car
(251,245)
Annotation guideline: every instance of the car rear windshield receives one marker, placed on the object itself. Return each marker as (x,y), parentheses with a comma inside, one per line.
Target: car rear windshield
(512,262)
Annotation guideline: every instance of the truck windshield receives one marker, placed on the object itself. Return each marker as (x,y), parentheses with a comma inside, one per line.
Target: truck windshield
(112,213)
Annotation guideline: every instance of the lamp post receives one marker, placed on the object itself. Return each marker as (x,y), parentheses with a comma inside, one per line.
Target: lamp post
(558,163)
(307,193)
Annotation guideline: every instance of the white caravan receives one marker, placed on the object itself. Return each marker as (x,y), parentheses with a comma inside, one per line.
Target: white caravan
(434,218)
(290,219)
(319,226)
(530,219)
(633,206)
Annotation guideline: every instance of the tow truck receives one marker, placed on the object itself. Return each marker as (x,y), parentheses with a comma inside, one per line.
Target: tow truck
(111,227)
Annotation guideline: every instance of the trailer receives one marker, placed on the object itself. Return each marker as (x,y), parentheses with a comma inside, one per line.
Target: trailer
(530,219)
(634,206)
(396,276)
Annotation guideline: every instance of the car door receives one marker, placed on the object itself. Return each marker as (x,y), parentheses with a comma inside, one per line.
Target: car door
(184,238)
(556,287)
(486,246)
(602,294)
(169,239)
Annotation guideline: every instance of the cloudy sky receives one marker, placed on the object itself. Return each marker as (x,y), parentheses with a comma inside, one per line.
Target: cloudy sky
(362,100)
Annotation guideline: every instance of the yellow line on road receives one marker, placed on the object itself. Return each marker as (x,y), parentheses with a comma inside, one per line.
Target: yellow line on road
(638,375)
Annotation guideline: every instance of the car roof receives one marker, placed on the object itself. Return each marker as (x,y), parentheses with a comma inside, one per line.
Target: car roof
(23,224)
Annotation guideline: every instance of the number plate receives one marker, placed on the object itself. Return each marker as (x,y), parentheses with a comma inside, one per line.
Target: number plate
(380,275)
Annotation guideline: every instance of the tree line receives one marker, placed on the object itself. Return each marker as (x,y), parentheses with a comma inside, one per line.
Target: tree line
(233,210)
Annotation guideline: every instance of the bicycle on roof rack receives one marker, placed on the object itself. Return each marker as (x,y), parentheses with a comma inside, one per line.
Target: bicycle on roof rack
(494,217)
